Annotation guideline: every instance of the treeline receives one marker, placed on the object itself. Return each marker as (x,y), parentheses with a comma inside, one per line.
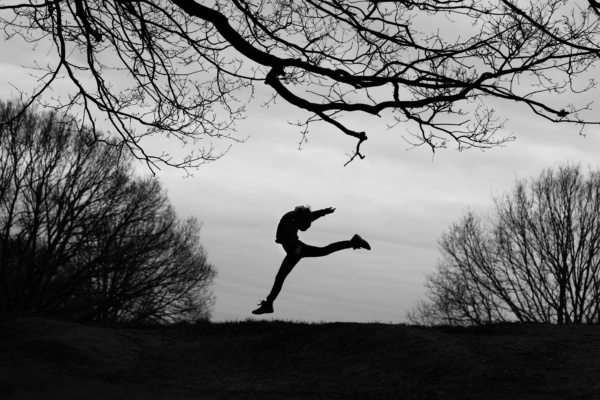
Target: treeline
(83,237)
(534,258)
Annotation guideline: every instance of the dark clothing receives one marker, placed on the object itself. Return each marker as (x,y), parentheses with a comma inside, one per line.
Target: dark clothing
(293,256)
(287,230)
(287,236)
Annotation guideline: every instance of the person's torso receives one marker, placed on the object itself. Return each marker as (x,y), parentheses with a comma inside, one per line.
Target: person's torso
(287,230)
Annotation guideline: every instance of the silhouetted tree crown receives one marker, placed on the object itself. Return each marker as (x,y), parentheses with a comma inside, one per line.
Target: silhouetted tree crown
(82,236)
(434,69)
(536,258)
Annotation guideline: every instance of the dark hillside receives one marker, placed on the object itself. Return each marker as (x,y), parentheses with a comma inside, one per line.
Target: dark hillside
(47,359)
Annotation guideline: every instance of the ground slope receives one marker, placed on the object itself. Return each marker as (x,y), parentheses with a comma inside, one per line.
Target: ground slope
(48,359)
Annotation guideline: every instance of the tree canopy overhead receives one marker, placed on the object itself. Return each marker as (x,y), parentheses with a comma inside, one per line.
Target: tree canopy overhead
(435,68)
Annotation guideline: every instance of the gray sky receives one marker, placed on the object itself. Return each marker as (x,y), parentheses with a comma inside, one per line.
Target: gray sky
(399,200)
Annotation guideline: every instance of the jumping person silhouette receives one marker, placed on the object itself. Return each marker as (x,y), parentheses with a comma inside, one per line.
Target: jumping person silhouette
(287,235)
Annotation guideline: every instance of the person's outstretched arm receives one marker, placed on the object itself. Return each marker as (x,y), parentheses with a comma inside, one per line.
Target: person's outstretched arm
(314,215)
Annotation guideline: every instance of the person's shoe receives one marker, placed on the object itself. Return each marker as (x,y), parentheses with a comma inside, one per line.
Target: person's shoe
(359,243)
(266,307)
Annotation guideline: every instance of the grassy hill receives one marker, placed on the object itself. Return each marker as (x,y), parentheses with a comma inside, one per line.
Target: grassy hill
(49,359)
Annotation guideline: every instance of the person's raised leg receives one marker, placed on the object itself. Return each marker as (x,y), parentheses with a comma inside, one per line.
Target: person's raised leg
(355,243)
(313,251)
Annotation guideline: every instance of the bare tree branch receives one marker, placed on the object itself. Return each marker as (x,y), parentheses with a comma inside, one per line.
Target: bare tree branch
(185,68)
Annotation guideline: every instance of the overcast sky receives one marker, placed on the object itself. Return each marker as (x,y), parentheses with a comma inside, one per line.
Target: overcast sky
(397,199)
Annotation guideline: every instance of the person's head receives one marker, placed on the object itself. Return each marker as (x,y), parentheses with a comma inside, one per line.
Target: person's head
(303,217)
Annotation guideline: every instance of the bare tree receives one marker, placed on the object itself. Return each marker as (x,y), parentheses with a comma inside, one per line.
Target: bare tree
(148,265)
(461,290)
(537,257)
(436,69)
(82,236)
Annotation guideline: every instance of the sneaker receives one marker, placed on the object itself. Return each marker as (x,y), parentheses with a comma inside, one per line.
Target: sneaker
(265,308)
(359,243)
